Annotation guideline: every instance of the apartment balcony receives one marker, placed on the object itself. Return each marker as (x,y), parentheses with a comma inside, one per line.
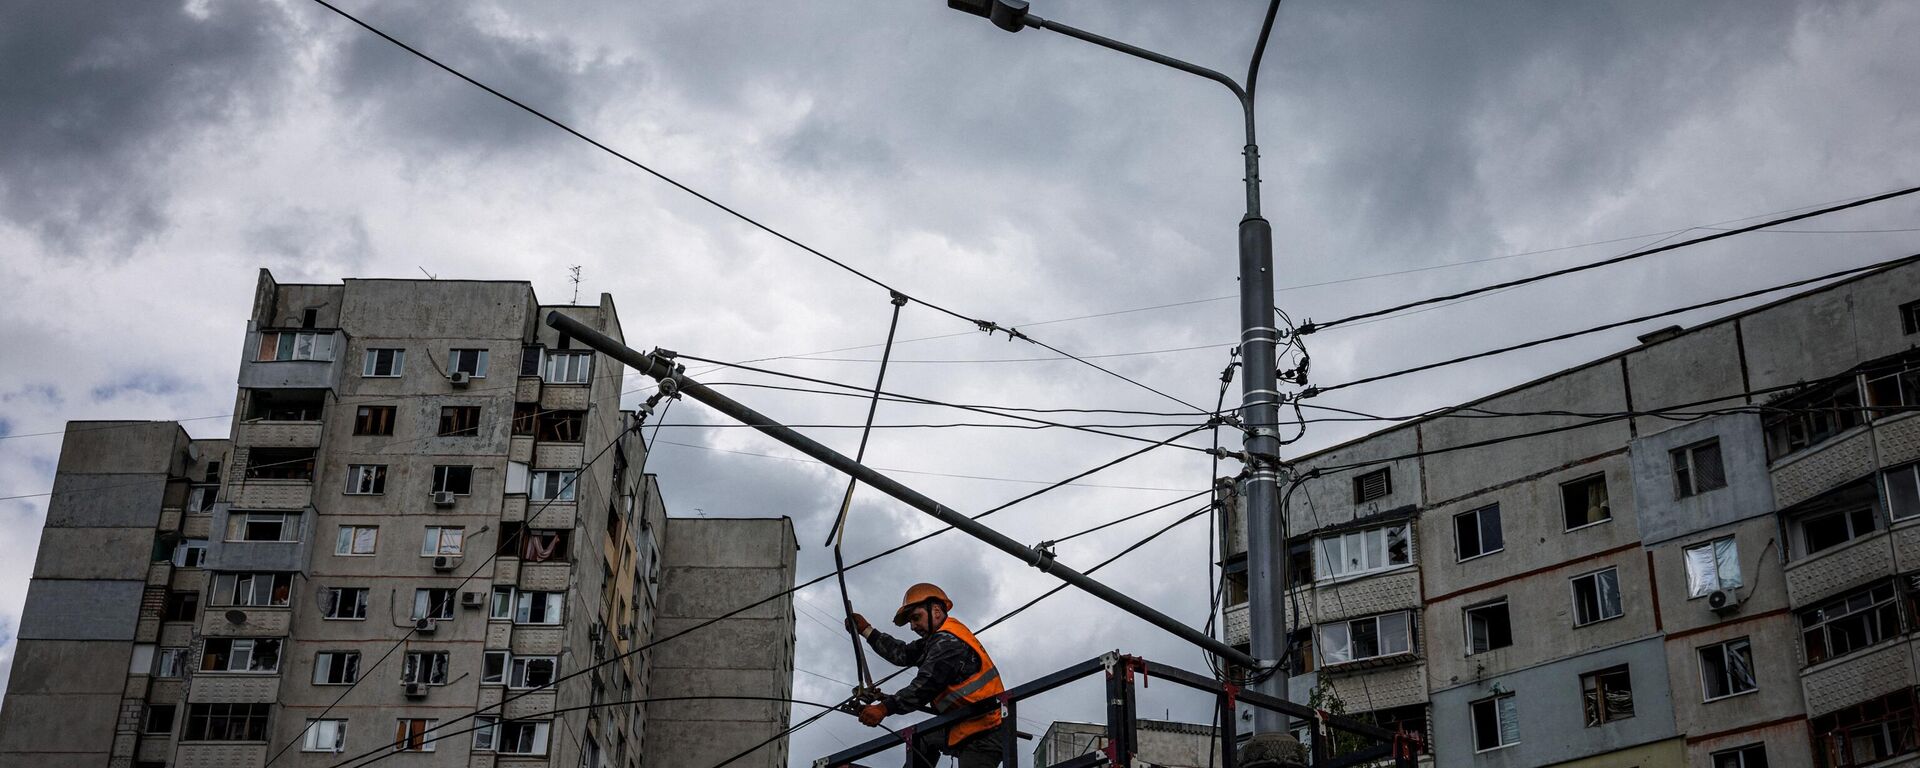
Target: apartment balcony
(277,434)
(169,519)
(513,509)
(270,494)
(231,688)
(558,514)
(154,748)
(545,577)
(559,456)
(531,640)
(158,574)
(1238,625)
(196,526)
(1365,595)
(1832,571)
(506,570)
(527,390)
(236,548)
(220,754)
(564,397)
(530,706)
(312,361)
(520,449)
(1857,677)
(255,621)
(1394,682)
(1824,467)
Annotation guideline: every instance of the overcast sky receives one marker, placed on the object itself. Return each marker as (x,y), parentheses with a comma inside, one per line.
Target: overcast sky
(156,154)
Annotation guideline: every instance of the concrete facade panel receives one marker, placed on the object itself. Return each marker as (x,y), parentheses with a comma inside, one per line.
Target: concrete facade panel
(1823,468)
(454,309)
(558,455)
(270,494)
(499,635)
(60,667)
(539,641)
(506,570)
(520,449)
(196,526)
(1365,596)
(527,390)
(1756,541)
(255,621)
(277,434)
(1455,474)
(1238,624)
(1369,690)
(1831,571)
(1898,439)
(513,508)
(1776,668)
(1540,608)
(1810,338)
(1786,745)
(81,610)
(289,374)
(159,574)
(105,501)
(1663,514)
(121,448)
(209,755)
(748,644)
(1671,753)
(1857,677)
(543,514)
(66,723)
(1551,714)
(693,591)
(530,705)
(545,577)
(1700,365)
(233,689)
(566,397)
(119,554)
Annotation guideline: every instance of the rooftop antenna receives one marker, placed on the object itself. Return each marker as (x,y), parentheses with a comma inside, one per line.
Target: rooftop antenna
(430,275)
(575,277)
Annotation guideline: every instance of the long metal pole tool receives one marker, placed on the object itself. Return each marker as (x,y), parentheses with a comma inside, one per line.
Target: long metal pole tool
(654,366)
(865,692)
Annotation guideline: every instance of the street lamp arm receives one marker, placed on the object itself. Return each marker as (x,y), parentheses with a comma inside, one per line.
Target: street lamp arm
(1036,22)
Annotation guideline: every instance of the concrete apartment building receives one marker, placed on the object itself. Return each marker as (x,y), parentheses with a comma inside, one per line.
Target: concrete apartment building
(416,468)
(1160,743)
(1685,585)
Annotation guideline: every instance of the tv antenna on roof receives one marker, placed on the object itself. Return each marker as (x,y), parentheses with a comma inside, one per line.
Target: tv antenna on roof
(575,277)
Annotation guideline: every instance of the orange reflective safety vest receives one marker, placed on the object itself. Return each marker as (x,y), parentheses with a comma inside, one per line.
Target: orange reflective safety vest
(982,686)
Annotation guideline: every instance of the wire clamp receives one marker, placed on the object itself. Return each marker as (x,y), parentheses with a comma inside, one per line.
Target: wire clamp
(899,299)
(1306,328)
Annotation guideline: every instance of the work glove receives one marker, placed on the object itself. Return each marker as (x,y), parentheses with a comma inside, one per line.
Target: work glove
(858,625)
(872,714)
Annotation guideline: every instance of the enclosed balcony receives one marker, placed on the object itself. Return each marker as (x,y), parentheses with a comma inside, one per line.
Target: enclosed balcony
(292,359)
(282,418)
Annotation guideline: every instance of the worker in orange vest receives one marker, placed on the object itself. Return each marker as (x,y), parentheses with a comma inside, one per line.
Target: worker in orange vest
(954,671)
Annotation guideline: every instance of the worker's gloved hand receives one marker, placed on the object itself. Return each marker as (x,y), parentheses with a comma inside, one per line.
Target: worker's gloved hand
(858,625)
(872,714)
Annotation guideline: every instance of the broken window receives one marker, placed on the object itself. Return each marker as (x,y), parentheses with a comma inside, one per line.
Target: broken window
(190,553)
(325,736)
(200,498)
(561,426)
(1478,532)
(425,668)
(457,480)
(1488,627)
(336,667)
(1372,637)
(411,734)
(1584,502)
(366,479)
(1850,622)
(1903,491)
(357,540)
(569,367)
(1697,469)
(442,540)
(373,420)
(343,603)
(433,604)
(1606,696)
(263,526)
(1596,597)
(384,363)
(526,416)
(226,722)
(251,589)
(459,421)
(1894,389)
(1726,669)
(553,485)
(181,606)
(295,345)
(223,654)
(1749,756)
(1865,733)
(1809,419)
(280,464)
(1831,528)
(1374,549)
(532,671)
(1713,566)
(493,667)
(472,362)
(159,719)
(171,663)
(1496,723)
(530,361)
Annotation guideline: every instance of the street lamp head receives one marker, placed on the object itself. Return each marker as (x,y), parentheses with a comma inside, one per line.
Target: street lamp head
(1009,15)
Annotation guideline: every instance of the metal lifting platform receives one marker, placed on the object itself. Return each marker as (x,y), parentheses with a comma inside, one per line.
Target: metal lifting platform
(1120,670)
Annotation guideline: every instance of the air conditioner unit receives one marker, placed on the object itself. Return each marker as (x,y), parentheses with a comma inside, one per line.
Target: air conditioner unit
(472,600)
(446,563)
(443,498)
(416,690)
(1723,601)
(460,378)
(425,626)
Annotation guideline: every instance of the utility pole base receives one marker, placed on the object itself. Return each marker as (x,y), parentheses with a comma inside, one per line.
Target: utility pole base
(1273,750)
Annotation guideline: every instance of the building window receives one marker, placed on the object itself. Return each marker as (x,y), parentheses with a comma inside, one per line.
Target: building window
(1477,532)
(1606,696)
(442,541)
(1749,756)
(1375,549)
(1827,528)
(569,367)
(1910,317)
(1488,627)
(1584,502)
(1850,622)
(502,604)
(425,668)
(1903,491)
(526,417)
(457,480)
(1596,597)
(1496,723)
(459,421)
(263,526)
(325,736)
(280,464)
(433,604)
(530,361)
(522,738)
(293,345)
(190,553)
(472,362)
(1377,484)
(225,654)
(532,671)
(181,606)
(538,607)
(560,426)
(493,667)
(1713,566)
(336,667)
(553,485)
(343,603)
(159,719)
(251,589)
(411,735)
(172,663)
(357,540)
(1697,469)
(538,546)
(1726,669)
(373,420)
(1893,388)
(1865,733)
(1810,419)
(226,722)
(384,363)
(366,479)
(200,498)
(1368,638)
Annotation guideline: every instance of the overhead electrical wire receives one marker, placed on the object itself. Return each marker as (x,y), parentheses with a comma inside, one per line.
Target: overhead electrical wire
(895,470)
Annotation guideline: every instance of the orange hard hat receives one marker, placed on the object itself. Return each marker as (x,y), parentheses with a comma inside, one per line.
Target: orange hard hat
(917,594)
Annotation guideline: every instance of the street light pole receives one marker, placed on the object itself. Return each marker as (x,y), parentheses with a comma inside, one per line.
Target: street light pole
(1259,385)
